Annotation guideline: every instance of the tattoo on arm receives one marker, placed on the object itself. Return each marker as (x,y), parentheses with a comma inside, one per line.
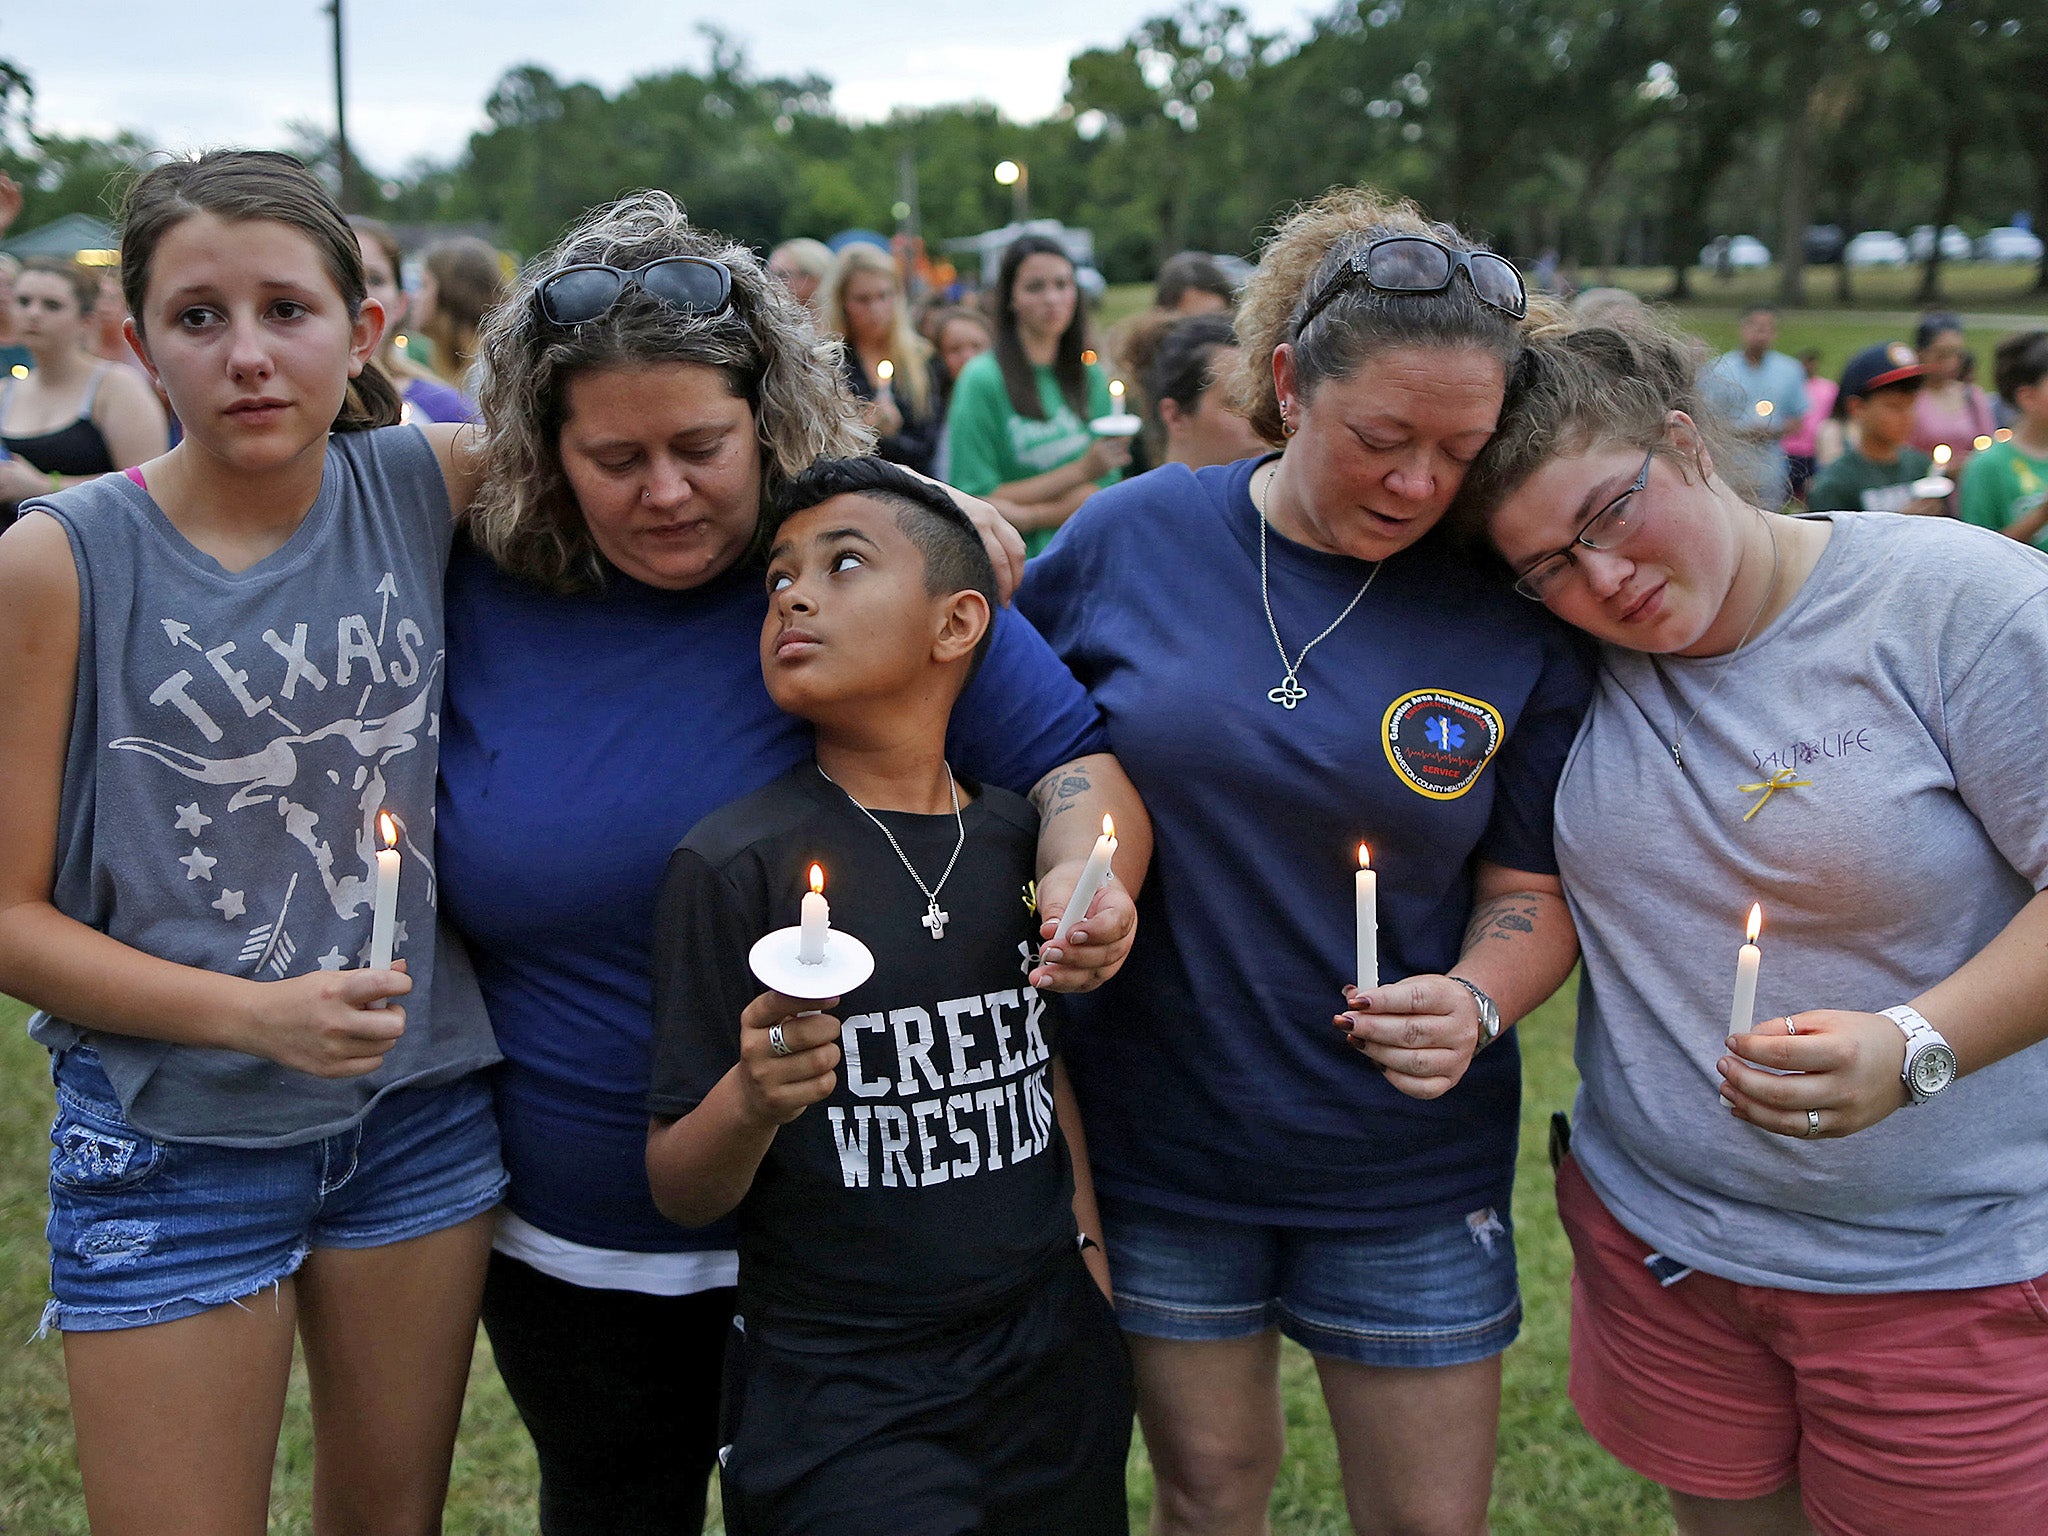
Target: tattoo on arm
(1059,791)
(1503,918)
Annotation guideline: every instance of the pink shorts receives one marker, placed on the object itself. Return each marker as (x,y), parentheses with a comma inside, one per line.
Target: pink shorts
(1915,1413)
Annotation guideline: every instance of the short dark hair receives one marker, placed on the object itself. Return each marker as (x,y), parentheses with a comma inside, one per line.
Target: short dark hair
(2019,361)
(1751,311)
(1183,362)
(955,560)
(1192,270)
(1932,324)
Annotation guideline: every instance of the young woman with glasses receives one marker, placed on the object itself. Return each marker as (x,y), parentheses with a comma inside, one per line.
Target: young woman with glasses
(1811,1236)
(647,386)
(1291,662)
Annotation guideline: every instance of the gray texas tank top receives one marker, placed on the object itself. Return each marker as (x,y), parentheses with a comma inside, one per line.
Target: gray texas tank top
(234,736)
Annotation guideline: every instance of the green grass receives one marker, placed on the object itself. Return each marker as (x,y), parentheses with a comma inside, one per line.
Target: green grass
(1551,1478)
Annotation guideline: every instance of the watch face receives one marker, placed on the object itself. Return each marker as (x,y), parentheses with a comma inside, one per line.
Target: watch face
(1934,1068)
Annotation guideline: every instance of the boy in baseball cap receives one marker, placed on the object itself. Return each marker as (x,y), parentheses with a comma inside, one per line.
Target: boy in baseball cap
(1877,472)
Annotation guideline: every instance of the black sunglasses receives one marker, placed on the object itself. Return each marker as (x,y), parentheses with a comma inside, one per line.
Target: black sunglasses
(1418,264)
(695,285)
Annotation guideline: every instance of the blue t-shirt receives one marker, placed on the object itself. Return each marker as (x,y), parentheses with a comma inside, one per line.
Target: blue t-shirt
(1436,721)
(582,737)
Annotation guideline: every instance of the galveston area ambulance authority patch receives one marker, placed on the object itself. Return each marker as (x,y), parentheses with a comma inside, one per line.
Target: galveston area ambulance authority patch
(1439,742)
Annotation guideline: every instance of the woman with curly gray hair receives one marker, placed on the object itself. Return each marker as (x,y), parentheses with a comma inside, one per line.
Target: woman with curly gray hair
(646,388)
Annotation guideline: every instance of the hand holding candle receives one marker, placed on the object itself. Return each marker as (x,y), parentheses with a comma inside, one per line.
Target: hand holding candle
(1366,890)
(1093,875)
(384,904)
(816,921)
(1748,960)
(1119,422)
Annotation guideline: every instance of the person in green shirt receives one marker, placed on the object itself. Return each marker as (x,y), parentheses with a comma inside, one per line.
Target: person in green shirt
(2006,485)
(1877,472)
(1017,428)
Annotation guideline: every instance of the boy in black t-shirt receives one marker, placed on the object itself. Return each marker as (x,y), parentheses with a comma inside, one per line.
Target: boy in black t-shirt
(924,1344)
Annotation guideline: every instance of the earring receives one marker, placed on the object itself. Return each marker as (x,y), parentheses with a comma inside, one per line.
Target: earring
(1286,420)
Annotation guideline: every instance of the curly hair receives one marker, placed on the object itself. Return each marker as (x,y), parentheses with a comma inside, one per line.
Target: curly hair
(1579,386)
(525,516)
(1307,252)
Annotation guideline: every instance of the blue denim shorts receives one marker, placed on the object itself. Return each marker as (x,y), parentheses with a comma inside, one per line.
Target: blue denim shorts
(147,1231)
(1429,1296)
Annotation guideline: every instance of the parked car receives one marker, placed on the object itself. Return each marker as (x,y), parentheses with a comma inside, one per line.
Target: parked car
(1875,248)
(1824,244)
(1734,252)
(2010,244)
(1955,245)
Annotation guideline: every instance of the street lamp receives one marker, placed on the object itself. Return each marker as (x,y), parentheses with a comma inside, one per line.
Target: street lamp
(1017,177)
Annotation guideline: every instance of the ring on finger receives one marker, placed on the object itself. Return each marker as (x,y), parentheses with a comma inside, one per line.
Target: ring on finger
(776,1043)
(1812,1122)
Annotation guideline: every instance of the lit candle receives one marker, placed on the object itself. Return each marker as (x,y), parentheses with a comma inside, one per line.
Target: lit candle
(885,371)
(1116,392)
(1747,959)
(1942,455)
(1980,442)
(384,905)
(2003,435)
(817,921)
(1367,891)
(1093,874)
(1764,407)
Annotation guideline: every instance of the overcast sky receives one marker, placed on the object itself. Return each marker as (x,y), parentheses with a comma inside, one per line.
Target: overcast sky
(189,73)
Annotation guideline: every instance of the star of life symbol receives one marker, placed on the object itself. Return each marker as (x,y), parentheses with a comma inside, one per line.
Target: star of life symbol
(1442,733)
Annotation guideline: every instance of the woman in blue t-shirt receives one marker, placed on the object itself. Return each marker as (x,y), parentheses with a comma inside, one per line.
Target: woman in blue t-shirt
(645,387)
(1288,666)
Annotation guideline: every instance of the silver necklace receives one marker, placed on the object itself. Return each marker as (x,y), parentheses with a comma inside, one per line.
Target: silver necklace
(1722,671)
(935,917)
(1290,692)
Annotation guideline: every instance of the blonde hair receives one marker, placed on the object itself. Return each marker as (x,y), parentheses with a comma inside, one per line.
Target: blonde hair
(1583,385)
(909,351)
(1307,253)
(469,279)
(764,342)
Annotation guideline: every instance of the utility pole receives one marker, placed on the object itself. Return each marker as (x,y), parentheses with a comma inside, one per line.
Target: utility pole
(344,162)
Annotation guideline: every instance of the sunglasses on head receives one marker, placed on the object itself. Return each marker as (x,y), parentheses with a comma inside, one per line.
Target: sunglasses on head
(693,285)
(1419,264)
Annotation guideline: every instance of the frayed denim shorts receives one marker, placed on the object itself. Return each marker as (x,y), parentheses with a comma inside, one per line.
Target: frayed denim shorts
(148,1231)
(1420,1297)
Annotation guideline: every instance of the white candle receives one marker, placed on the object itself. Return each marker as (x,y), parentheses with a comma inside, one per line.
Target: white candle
(1367,891)
(1747,959)
(1093,874)
(384,905)
(1116,392)
(817,919)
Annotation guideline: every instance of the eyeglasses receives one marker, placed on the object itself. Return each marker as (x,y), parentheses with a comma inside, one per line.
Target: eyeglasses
(694,285)
(1607,529)
(1419,264)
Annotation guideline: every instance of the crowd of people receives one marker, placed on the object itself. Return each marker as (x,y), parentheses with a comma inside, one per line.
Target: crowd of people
(417,753)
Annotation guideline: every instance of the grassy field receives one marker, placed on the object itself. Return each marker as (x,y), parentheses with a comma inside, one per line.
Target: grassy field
(1551,1479)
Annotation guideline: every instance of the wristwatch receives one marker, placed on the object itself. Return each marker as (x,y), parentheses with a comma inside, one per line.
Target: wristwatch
(1930,1061)
(1489,1017)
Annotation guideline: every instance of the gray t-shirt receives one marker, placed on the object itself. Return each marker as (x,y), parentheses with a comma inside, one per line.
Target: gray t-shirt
(233,738)
(1897,701)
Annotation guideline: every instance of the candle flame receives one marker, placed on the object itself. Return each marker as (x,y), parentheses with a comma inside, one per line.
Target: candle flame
(2003,434)
(1756,921)
(817,880)
(1363,861)
(1764,407)
(387,828)
(1116,388)
(1088,358)
(1941,453)
(885,370)
(1108,825)
(1980,442)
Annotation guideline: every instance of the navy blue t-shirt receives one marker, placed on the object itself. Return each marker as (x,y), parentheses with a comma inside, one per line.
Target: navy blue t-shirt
(1435,723)
(581,738)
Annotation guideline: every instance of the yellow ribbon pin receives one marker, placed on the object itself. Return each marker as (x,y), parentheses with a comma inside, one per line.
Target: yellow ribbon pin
(1782,779)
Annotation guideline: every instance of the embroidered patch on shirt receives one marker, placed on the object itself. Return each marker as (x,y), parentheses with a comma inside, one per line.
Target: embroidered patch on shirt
(1439,742)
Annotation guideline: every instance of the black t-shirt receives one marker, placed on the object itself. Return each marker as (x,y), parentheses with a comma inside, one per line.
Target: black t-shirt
(934,1182)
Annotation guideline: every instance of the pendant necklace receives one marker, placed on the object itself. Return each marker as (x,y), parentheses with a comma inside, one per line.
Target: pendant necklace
(935,917)
(1290,692)
(1769,591)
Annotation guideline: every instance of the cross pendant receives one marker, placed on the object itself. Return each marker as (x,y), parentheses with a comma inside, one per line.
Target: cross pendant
(1288,694)
(936,918)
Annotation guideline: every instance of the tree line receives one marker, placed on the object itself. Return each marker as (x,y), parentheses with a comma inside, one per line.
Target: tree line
(1611,131)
